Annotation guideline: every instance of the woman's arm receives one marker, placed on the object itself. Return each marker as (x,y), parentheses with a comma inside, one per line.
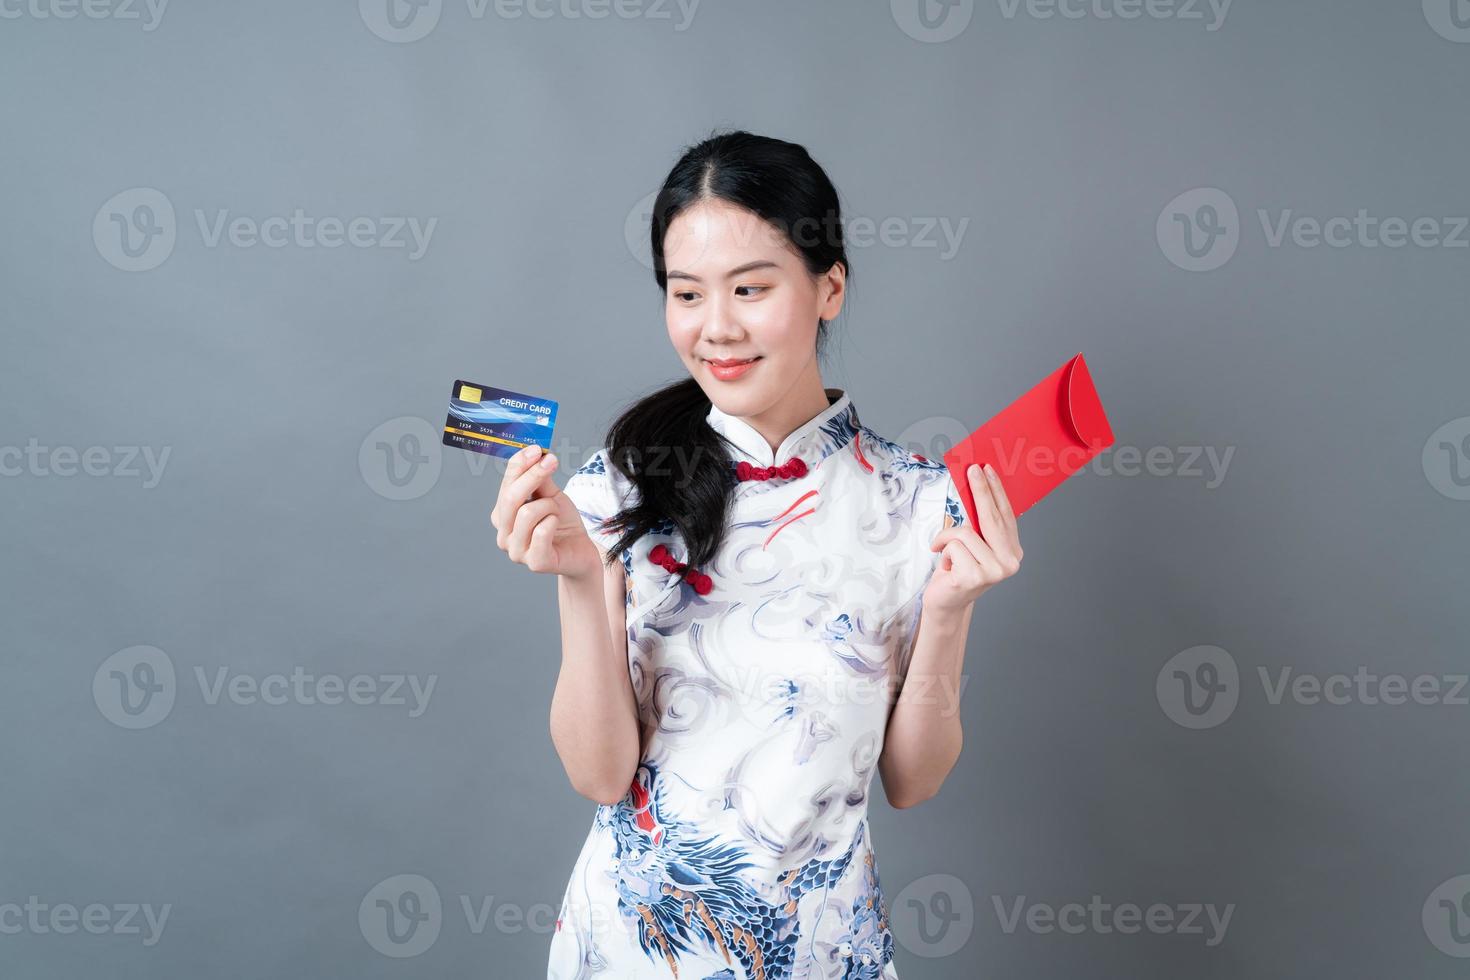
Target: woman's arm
(924,736)
(594,714)
(924,733)
(593,710)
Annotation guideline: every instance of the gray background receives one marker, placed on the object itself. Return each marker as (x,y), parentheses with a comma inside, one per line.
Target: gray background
(276,537)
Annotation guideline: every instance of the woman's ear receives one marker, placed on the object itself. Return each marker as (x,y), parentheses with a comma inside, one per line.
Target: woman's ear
(831,290)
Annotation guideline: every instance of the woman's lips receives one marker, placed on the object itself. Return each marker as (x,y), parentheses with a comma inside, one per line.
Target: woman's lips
(730,370)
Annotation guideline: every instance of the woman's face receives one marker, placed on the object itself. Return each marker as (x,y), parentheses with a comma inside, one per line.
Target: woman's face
(738,290)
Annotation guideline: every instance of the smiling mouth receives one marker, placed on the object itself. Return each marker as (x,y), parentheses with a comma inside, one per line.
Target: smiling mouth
(730,363)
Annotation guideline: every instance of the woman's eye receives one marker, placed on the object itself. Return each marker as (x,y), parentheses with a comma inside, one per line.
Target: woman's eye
(683,297)
(750,287)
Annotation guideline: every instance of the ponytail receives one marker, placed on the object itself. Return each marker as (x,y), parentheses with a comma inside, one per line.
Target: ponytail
(665,446)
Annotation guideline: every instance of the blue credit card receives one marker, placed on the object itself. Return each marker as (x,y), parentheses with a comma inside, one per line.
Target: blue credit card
(496,422)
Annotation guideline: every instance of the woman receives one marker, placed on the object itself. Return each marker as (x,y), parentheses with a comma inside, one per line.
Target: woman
(741,574)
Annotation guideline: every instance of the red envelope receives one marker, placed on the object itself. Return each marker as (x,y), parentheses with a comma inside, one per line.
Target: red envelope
(1041,438)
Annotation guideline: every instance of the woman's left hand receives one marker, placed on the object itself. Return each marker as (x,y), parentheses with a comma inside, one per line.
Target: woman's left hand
(970,565)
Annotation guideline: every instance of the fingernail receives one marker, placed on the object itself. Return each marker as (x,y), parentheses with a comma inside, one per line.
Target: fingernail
(548,462)
(531,451)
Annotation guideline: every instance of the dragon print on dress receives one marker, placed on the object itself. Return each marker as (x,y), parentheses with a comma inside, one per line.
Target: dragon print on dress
(682,890)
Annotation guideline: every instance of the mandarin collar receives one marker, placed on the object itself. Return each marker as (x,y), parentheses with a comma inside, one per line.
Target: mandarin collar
(814,440)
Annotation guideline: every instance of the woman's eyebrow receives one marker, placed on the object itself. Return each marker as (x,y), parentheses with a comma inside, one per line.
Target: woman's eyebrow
(747,267)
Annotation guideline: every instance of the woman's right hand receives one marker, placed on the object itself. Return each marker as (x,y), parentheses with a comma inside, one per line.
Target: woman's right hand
(537,524)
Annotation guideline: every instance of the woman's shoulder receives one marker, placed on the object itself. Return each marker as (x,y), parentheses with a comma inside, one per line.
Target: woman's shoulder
(594,467)
(927,480)
(600,489)
(599,475)
(894,457)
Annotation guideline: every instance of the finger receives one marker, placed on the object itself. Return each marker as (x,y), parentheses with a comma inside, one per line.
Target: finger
(1000,559)
(513,468)
(956,557)
(972,569)
(965,535)
(523,481)
(540,555)
(528,515)
(961,531)
(1007,515)
(985,510)
(981,551)
(536,481)
(518,464)
(998,492)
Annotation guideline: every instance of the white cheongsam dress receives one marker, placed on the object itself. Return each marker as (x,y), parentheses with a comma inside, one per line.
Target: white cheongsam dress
(764,679)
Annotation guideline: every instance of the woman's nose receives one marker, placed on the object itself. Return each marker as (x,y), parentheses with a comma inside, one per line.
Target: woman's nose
(720,325)
(720,333)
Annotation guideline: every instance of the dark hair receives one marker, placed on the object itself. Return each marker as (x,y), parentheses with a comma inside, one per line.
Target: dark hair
(689,481)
